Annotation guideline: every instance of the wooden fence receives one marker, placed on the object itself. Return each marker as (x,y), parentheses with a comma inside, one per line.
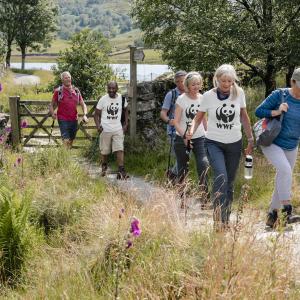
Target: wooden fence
(39,124)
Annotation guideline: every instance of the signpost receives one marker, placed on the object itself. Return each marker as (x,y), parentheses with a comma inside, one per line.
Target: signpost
(136,54)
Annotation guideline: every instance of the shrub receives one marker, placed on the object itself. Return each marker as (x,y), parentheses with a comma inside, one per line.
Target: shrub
(15,234)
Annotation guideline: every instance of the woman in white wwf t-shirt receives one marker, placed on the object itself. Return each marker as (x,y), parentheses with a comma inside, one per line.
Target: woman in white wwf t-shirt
(226,108)
(187,106)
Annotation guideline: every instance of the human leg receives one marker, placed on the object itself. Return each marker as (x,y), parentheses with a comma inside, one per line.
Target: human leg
(216,159)
(232,154)
(201,162)
(105,142)
(284,162)
(181,158)
(68,131)
(118,148)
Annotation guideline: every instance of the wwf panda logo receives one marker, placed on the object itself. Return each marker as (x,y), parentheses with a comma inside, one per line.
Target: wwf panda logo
(225,113)
(113,109)
(191,111)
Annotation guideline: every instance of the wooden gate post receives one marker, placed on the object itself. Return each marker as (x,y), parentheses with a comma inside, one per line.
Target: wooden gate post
(133,92)
(14,107)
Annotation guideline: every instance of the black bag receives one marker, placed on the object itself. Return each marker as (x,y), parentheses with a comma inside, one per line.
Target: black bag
(266,129)
(123,111)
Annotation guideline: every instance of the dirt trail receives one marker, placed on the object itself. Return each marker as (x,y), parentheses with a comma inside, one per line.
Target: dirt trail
(23,79)
(196,218)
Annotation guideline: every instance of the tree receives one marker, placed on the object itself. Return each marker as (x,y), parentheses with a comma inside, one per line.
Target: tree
(201,34)
(87,61)
(8,12)
(36,23)
(28,21)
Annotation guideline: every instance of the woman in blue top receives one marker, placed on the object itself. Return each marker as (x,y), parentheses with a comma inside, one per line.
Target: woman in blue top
(282,153)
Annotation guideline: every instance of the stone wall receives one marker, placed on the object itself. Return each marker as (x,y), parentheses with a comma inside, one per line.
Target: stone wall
(150,96)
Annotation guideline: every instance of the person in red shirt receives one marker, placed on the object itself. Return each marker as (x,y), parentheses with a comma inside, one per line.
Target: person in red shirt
(65,99)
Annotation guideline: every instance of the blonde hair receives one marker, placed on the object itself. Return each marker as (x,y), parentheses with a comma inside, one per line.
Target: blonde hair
(190,77)
(229,71)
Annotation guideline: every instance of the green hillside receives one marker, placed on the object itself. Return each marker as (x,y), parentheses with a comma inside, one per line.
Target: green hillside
(110,17)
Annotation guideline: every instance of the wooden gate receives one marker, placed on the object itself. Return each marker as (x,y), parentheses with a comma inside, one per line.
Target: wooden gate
(32,125)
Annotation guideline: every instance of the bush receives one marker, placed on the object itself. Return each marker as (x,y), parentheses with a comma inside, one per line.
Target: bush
(87,61)
(15,235)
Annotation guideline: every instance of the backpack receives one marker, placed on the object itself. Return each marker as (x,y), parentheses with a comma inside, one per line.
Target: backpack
(267,129)
(174,97)
(123,110)
(60,94)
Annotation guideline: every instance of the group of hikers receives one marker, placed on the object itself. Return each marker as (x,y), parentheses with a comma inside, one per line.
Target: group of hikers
(208,125)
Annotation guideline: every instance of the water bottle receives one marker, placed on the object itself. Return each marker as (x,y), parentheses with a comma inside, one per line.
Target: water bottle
(248,167)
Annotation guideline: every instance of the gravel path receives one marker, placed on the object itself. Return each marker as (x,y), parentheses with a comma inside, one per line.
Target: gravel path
(196,218)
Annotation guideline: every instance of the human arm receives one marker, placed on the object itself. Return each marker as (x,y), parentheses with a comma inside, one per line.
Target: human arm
(271,106)
(84,110)
(248,130)
(52,108)
(165,118)
(97,119)
(195,124)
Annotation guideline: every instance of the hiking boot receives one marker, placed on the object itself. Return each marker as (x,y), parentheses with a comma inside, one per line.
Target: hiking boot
(171,177)
(287,212)
(122,175)
(272,219)
(103,169)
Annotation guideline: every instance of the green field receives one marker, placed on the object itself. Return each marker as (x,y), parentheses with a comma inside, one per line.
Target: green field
(119,43)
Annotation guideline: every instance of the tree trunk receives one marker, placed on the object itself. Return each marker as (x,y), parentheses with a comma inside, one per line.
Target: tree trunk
(23,51)
(289,74)
(8,56)
(270,81)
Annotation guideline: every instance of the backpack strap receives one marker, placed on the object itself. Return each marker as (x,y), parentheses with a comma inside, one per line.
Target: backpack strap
(61,94)
(283,93)
(173,99)
(123,102)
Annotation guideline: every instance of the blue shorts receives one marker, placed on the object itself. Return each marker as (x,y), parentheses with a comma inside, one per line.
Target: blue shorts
(68,129)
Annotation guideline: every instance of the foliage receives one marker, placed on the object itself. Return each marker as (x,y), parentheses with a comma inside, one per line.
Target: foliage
(36,24)
(15,234)
(28,21)
(99,15)
(261,35)
(87,61)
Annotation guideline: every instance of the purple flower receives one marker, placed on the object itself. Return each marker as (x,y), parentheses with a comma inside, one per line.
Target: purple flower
(128,244)
(0,87)
(8,129)
(19,160)
(1,139)
(134,227)
(24,124)
(122,210)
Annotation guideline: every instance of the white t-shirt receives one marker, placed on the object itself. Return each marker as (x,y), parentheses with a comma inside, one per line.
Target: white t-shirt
(111,112)
(224,123)
(190,107)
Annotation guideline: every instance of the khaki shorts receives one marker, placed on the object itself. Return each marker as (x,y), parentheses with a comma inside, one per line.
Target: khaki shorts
(111,142)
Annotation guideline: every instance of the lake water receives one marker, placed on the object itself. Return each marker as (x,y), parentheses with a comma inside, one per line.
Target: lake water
(144,72)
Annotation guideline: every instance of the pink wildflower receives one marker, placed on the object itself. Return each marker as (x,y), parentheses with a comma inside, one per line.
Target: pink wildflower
(24,124)
(134,227)
(8,129)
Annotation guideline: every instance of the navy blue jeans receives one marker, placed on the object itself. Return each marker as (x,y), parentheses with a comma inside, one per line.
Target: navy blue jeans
(182,158)
(224,160)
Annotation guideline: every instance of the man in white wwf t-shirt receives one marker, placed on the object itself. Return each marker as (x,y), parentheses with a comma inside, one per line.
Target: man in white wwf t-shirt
(107,118)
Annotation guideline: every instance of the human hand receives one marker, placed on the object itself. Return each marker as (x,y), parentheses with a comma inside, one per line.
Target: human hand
(100,129)
(171,122)
(249,148)
(85,119)
(283,107)
(54,116)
